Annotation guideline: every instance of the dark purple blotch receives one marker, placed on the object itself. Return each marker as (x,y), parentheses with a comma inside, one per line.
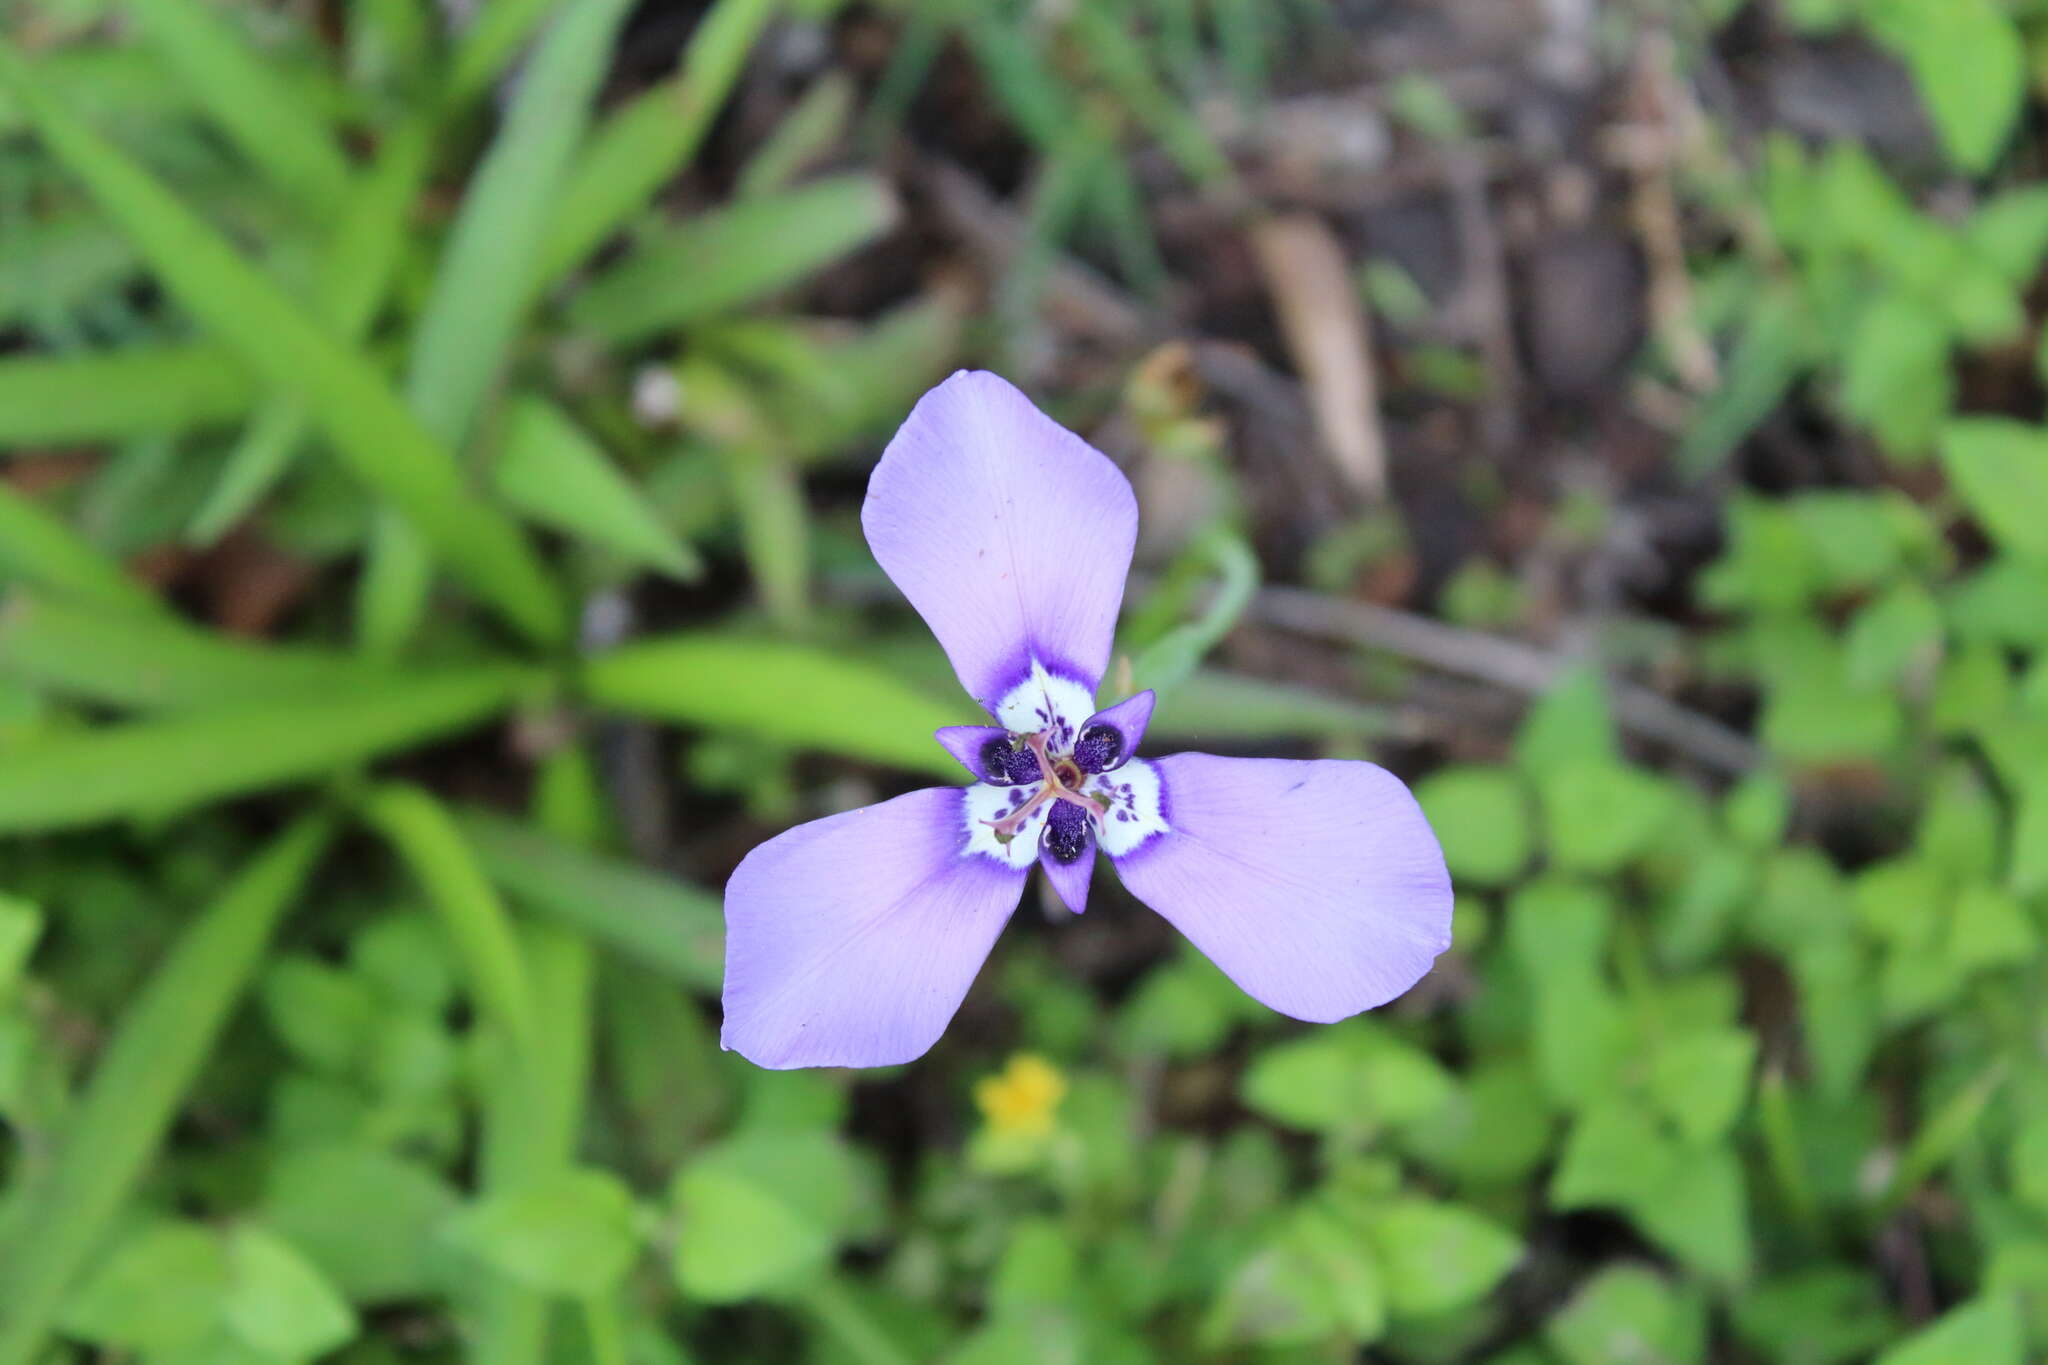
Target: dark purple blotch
(1100,749)
(1066,833)
(1006,763)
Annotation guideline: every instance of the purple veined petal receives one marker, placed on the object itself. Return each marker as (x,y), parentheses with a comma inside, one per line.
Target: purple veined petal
(987,752)
(1066,850)
(851,940)
(1011,536)
(1318,887)
(1113,734)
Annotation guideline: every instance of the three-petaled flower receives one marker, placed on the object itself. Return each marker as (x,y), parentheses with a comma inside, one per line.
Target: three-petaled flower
(1317,886)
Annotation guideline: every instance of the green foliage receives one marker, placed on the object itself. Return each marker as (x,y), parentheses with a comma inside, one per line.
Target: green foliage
(355,302)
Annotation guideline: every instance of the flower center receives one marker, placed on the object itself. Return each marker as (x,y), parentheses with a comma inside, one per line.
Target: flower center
(1060,780)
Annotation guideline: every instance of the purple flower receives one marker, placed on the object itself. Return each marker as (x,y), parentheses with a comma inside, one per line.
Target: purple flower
(850,941)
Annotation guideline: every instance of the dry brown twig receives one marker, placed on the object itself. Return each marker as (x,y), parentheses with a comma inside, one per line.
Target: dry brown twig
(1325,325)
(1504,663)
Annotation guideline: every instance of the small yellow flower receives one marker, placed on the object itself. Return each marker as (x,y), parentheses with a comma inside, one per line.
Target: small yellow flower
(1020,1102)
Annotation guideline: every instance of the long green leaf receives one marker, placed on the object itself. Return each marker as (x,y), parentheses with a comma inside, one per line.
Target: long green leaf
(356,269)
(472,316)
(150,767)
(133,1096)
(794,694)
(490,44)
(368,426)
(114,395)
(554,474)
(733,256)
(251,100)
(38,546)
(156,662)
(662,923)
(648,142)
(420,828)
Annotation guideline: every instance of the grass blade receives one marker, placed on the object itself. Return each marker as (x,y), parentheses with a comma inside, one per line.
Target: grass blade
(806,135)
(734,256)
(115,395)
(157,662)
(369,427)
(554,474)
(356,271)
(151,767)
(473,313)
(472,316)
(37,545)
(671,926)
(420,829)
(648,142)
(250,99)
(493,38)
(157,1050)
(800,695)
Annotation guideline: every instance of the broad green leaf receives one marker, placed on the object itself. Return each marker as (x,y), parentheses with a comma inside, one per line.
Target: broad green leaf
(666,924)
(1346,1079)
(1699,1080)
(157,662)
(1497,1127)
(636,150)
(1482,817)
(2000,470)
(160,1289)
(1896,378)
(551,472)
(1829,1315)
(1438,1257)
(382,441)
(1315,1280)
(252,100)
(152,767)
(134,1093)
(277,1303)
(760,1212)
(21,925)
(362,1215)
(759,246)
(2010,231)
(1892,633)
(142,390)
(799,695)
(2028,1162)
(569,1234)
(1702,1215)
(321,1013)
(1983,1331)
(1616,1156)
(1630,1315)
(1969,63)
(1572,722)
(1988,927)
(1600,814)
(38,547)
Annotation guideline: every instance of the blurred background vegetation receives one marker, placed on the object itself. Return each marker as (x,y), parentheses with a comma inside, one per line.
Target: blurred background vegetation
(433,435)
